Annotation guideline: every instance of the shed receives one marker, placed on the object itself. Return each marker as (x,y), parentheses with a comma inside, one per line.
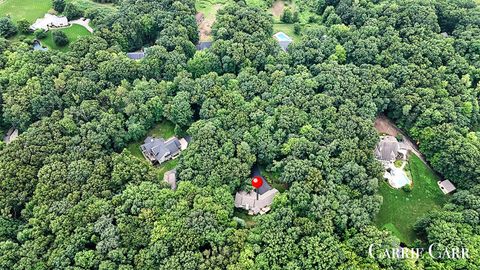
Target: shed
(446,186)
(171,178)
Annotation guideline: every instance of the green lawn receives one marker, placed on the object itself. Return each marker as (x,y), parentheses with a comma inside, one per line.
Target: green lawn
(287,29)
(272,179)
(86,4)
(243,214)
(73,33)
(25,9)
(400,210)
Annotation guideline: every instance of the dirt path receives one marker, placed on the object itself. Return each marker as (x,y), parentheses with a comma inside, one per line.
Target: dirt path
(205,27)
(277,8)
(386,126)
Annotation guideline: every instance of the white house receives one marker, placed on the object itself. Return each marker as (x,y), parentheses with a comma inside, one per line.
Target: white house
(50,21)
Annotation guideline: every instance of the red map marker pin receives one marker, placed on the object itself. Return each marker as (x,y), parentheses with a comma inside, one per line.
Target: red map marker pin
(257,182)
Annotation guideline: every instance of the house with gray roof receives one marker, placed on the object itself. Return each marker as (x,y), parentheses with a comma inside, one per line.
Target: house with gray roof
(136,55)
(158,151)
(446,186)
(387,149)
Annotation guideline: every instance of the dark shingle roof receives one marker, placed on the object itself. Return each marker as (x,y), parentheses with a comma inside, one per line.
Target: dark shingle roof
(204,45)
(136,55)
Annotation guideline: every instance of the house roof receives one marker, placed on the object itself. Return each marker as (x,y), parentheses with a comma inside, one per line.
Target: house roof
(249,200)
(387,148)
(265,186)
(49,20)
(160,148)
(136,55)
(446,186)
(202,45)
(171,178)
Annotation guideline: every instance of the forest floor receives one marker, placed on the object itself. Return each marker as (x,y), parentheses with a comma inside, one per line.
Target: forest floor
(401,209)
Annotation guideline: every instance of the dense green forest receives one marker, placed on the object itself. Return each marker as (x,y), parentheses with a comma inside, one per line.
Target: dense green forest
(72,196)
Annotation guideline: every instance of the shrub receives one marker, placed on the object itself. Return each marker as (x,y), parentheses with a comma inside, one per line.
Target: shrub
(59,5)
(7,28)
(72,11)
(60,38)
(23,26)
(40,34)
(407,188)
(297,28)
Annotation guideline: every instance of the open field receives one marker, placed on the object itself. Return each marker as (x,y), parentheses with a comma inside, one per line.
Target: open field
(73,33)
(86,4)
(400,210)
(25,9)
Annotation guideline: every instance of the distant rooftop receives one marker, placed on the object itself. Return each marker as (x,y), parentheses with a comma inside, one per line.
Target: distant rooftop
(136,55)
(202,45)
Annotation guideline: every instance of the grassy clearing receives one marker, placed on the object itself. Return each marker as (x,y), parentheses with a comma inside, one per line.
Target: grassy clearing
(73,33)
(86,4)
(272,179)
(400,210)
(25,9)
(287,29)
(243,214)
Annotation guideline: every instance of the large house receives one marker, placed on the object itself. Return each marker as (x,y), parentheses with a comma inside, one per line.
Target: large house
(388,150)
(49,21)
(256,204)
(158,151)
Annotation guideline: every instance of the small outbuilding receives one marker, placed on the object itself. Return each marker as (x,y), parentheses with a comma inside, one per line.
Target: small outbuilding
(11,135)
(446,186)
(202,45)
(171,178)
(136,55)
